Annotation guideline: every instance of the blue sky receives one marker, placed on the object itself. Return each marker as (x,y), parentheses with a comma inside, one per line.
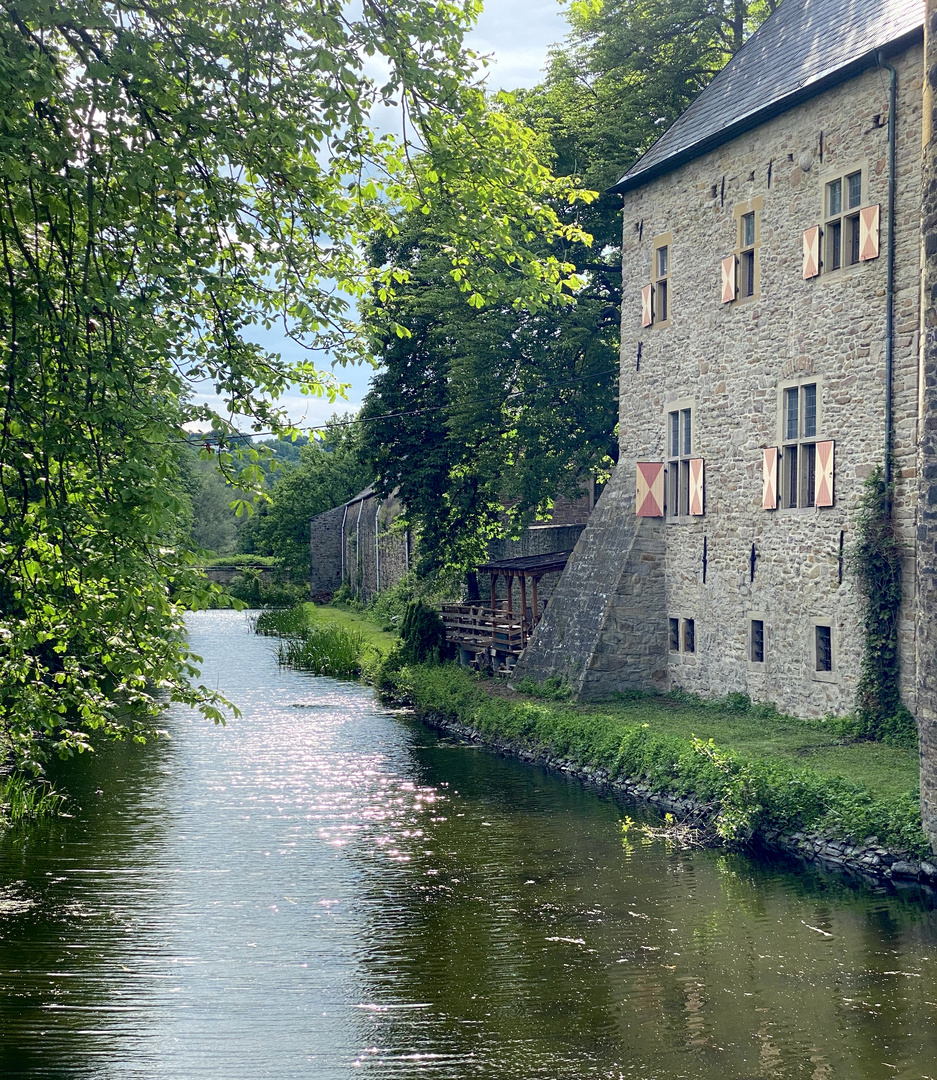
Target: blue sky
(516,34)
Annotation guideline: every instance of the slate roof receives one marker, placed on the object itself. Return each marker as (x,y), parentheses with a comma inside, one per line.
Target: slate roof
(805,47)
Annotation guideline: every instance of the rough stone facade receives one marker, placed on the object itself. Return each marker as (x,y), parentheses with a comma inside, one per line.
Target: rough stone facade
(364,543)
(360,542)
(729,363)
(927,453)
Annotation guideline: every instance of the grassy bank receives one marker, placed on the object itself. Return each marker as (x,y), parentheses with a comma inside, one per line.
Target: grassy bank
(758,770)
(325,640)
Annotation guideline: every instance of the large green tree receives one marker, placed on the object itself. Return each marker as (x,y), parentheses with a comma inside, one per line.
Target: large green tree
(172,172)
(509,403)
(479,417)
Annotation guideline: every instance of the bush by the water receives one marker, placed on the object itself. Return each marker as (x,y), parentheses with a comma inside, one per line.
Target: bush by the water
(324,650)
(748,796)
(422,634)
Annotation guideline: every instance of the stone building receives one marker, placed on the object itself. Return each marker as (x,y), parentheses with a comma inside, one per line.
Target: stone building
(770,355)
(365,543)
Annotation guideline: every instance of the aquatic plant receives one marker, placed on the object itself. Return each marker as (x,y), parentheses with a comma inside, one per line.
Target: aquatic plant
(24,798)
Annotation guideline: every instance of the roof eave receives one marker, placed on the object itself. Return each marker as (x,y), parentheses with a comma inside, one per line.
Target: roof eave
(849,71)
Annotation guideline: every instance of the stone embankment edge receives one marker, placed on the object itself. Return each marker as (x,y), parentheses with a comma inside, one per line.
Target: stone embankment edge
(868,863)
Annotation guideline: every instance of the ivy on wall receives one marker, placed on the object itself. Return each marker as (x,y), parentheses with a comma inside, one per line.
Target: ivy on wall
(876,562)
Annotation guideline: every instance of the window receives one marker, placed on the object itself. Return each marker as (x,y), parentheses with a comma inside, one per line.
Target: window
(798,449)
(679,450)
(661,282)
(689,635)
(757,641)
(823,647)
(842,201)
(747,254)
(674,635)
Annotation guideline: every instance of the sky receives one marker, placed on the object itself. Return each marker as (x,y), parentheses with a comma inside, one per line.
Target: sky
(516,34)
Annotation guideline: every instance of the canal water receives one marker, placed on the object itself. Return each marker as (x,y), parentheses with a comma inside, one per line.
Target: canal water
(324,889)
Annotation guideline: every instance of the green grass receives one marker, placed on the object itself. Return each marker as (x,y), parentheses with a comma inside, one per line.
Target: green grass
(24,798)
(758,769)
(325,640)
(817,745)
(373,634)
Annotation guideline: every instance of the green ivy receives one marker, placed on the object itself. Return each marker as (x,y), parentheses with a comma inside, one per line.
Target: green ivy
(876,562)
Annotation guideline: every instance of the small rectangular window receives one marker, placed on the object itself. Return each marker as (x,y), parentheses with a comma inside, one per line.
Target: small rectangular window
(674,635)
(841,226)
(854,239)
(810,411)
(758,641)
(824,648)
(799,452)
(680,444)
(748,273)
(834,238)
(689,635)
(748,230)
(661,267)
(790,413)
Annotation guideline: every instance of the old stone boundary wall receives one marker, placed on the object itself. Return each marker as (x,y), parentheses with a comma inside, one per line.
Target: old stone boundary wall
(858,863)
(364,543)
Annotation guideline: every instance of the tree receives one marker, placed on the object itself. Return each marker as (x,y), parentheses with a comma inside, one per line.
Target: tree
(477,410)
(170,174)
(515,403)
(330,471)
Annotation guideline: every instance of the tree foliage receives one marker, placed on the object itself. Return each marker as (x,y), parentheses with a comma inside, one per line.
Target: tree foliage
(476,410)
(330,470)
(172,172)
(509,403)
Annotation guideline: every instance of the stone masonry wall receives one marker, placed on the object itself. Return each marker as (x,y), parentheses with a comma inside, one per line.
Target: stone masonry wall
(727,361)
(927,459)
(325,551)
(598,630)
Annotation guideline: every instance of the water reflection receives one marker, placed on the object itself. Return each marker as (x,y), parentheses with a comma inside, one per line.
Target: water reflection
(322,886)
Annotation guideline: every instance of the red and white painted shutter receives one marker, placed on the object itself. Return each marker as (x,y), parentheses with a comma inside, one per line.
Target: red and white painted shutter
(769,478)
(823,491)
(811,252)
(696,487)
(649,494)
(647,305)
(729,278)
(868,232)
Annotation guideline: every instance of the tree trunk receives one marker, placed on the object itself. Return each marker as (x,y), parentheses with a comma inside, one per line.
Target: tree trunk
(927,448)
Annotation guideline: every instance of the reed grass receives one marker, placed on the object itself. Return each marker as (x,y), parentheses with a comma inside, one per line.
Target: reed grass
(308,644)
(23,798)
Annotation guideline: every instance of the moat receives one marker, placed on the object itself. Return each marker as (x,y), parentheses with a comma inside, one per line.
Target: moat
(324,888)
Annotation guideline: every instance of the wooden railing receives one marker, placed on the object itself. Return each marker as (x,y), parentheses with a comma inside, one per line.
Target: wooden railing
(477,627)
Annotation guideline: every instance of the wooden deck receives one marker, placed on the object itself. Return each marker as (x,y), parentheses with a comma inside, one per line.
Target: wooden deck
(478,629)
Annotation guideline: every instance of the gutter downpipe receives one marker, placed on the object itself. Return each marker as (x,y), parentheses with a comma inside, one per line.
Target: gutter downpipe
(890,271)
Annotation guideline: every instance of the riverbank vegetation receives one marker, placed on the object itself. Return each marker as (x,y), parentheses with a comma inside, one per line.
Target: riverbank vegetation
(326,640)
(757,769)
(176,177)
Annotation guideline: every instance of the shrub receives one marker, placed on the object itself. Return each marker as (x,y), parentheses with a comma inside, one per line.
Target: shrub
(747,796)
